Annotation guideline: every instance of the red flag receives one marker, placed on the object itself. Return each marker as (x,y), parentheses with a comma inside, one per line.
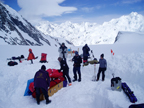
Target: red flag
(112,52)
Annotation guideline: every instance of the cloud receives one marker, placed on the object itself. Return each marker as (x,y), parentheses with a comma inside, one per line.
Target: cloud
(130,1)
(37,9)
(90,9)
(86,9)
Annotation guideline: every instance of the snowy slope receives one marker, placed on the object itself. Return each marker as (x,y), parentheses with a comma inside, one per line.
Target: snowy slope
(93,34)
(15,30)
(127,63)
(129,38)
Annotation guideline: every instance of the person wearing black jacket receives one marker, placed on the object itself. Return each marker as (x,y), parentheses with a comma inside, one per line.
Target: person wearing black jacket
(63,51)
(65,69)
(86,50)
(77,61)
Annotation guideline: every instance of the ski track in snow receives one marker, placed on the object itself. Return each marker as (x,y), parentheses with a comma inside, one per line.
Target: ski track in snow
(84,94)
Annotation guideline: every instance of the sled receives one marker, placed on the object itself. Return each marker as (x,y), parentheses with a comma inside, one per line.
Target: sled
(129,93)
(137,105)
(54,73)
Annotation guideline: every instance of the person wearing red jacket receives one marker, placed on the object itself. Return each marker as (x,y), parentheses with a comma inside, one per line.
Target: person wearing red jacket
(31,56)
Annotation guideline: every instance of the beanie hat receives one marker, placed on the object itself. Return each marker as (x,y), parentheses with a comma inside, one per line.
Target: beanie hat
(43,67)
(102,55)
(63,44)
(59,59)
(76,53)
(30,50)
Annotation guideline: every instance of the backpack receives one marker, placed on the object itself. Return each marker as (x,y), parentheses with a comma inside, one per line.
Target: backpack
(12,63)
(116,84)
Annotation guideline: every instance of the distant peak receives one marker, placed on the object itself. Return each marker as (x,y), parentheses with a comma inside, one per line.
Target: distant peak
(133,13)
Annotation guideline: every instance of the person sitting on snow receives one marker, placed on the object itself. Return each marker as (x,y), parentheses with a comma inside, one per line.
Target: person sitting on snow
(77,61)
(63,51)
(65,69)
(17,58)
(102,67)
(41,83)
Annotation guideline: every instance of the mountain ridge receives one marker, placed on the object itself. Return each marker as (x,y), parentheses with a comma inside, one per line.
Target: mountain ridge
(93,34)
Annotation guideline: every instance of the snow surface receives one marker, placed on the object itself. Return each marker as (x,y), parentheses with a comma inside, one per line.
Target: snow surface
(127,63)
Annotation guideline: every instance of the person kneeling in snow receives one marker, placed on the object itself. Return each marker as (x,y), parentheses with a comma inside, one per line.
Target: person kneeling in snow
(102,67)
(65,69)
(42,82)
(77,61)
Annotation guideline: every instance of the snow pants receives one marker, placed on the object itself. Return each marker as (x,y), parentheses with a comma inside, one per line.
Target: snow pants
(75,70)
(85,58)
(103,73)
(45,93)
(66,75)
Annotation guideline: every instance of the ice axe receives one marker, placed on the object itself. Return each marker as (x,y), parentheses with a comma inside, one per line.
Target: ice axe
(92,54)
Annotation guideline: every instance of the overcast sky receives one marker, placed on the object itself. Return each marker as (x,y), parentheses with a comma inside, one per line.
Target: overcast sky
(77,11)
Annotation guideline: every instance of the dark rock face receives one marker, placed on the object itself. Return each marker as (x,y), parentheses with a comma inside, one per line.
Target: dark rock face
(10,24)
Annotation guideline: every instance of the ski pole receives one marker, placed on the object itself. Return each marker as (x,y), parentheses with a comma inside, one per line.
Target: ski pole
(92,54)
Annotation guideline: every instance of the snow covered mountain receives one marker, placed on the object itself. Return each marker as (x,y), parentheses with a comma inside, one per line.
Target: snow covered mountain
(106,33)
(15,30)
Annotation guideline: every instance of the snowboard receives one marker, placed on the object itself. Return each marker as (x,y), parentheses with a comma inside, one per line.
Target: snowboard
(129,93)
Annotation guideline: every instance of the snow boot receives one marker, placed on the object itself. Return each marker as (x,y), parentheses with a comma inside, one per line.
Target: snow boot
(48,101)
(74,80)
(79,80)
(38,102)
(70,84)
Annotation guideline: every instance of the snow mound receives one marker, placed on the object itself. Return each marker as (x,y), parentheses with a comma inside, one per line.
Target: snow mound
(129,38)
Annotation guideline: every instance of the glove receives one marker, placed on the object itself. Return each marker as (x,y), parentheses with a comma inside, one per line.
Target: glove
(59,70)
(105,69)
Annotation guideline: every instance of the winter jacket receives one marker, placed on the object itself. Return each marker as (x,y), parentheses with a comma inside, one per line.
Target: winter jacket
(31,55)
(77,61)
(41,79)
(63,65)
(103,63)
(86,50)
(63,50)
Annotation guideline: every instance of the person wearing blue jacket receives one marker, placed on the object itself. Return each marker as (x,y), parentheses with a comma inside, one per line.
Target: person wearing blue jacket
(102,67)
(77,61)
(41,83)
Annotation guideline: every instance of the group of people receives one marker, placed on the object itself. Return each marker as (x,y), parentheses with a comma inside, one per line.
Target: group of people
(42,80)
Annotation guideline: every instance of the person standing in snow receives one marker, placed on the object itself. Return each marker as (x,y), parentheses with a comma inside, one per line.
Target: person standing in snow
(102,67)
(77,61)
(65,69)
(63,51)
(31,56)
(41,83)
(86,50)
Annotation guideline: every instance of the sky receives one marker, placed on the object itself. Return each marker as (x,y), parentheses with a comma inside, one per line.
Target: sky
(76,11)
